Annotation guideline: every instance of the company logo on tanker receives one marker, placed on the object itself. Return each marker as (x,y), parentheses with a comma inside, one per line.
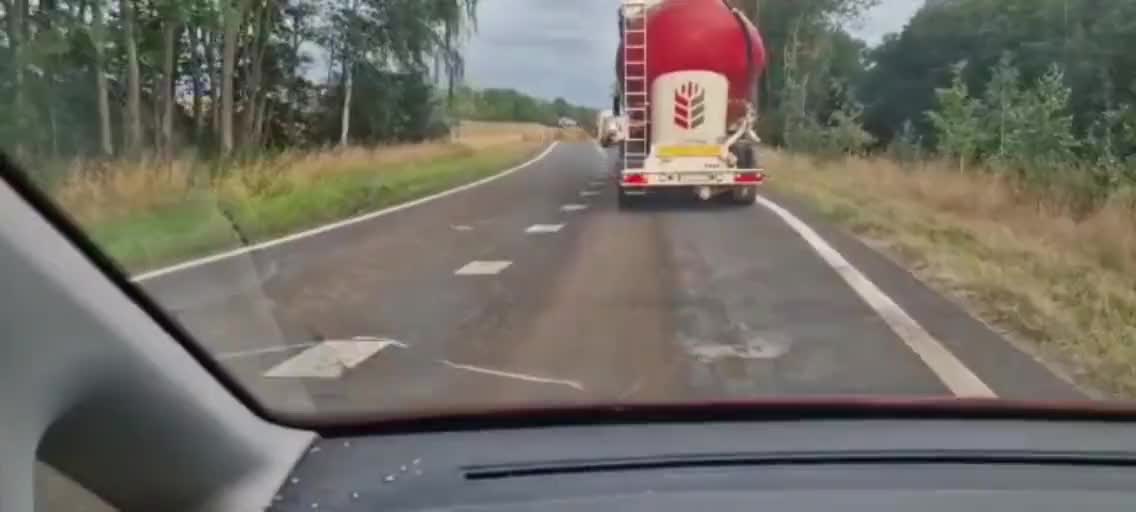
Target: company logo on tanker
(690,106)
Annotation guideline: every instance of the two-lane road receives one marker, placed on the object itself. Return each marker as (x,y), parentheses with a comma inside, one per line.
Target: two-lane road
(534,287)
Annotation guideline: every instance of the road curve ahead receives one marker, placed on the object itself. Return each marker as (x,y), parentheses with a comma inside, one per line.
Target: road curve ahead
(534,287)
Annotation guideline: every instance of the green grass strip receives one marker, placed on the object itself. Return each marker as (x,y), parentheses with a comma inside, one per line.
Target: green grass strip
(198,226)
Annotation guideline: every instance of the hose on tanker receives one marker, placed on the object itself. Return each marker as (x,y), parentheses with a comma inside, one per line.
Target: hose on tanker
(744,25)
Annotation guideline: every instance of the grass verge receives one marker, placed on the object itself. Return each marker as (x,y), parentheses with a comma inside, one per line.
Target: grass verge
(145,216)
(1061,283)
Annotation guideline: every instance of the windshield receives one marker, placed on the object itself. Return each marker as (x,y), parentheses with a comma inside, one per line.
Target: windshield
(402,207)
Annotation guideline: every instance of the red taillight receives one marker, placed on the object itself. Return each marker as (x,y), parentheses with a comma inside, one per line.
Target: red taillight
(634,179)
(749,177)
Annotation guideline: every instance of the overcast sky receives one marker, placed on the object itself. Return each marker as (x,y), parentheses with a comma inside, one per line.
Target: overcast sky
(565,48)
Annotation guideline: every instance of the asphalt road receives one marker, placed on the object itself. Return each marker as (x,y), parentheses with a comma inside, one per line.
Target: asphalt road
(677,300)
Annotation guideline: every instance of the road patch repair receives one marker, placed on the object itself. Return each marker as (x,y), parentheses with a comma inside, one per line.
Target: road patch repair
(755,348)
(330,359)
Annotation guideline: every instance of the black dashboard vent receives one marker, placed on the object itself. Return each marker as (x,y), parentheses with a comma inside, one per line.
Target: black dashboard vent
(500,471)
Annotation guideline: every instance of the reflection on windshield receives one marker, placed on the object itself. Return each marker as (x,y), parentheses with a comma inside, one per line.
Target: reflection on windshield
(399,207)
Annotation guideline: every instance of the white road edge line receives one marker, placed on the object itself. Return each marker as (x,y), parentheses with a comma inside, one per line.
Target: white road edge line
(510,375)
(336,225)
(948,368)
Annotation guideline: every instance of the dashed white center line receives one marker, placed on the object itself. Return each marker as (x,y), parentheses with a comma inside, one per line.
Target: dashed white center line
(589,193)
(573,207)
(483,268)
(536,229)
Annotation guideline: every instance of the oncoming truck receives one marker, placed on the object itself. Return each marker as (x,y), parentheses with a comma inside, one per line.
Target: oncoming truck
(686,100)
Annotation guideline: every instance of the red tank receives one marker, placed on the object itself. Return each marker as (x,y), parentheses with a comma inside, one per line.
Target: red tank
(696,35)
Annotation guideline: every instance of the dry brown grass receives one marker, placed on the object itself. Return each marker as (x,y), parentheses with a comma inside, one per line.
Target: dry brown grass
(1023,260)
(299,168)
(94,192)
(574,135)
(480,134)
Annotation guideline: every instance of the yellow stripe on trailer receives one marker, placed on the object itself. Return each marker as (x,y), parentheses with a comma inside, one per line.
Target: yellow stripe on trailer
(690,151)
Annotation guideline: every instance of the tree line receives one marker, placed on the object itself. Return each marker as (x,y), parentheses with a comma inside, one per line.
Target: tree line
(512,105)
(807,97)
(121,78)
(1043,88)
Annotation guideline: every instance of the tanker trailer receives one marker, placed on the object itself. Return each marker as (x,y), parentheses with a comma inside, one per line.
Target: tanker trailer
(687,71)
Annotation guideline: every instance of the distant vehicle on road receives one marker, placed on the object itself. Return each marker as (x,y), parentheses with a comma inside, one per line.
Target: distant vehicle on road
(686,97)
(609,129)
(566,122)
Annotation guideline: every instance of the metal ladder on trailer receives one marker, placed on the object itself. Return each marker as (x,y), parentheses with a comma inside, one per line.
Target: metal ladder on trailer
(635,86)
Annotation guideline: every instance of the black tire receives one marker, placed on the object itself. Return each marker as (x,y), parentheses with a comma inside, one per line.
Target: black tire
(746,199)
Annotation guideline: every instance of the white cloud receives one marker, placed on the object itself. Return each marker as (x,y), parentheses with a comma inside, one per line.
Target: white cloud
(889,16)
(548,48)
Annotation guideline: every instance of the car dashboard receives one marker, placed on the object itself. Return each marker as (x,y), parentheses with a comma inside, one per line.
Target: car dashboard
(808,465)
